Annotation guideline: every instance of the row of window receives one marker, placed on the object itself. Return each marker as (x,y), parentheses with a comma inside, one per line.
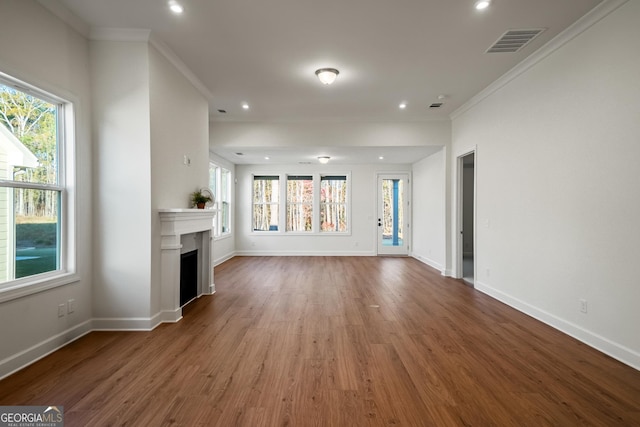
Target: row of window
(307,203)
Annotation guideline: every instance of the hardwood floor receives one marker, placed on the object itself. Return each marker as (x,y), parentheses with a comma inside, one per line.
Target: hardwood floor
(334,341)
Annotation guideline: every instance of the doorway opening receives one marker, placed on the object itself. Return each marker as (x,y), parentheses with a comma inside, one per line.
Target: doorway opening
(393,214)
(466,206)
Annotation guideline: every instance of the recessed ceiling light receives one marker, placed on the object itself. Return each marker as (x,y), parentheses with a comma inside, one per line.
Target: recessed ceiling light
(482,4)
(381,158)
(245,106)
(176,7)
(266,157)
(402,106)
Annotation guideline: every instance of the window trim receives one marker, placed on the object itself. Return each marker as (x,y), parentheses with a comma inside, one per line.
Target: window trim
(347,204)
(312,204)
(66,168)
(281,191)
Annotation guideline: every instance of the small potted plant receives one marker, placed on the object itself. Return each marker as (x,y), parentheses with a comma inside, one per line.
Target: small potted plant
(199,199)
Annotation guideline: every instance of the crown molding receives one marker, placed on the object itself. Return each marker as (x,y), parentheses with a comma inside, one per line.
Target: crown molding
(181,67)
(581,25)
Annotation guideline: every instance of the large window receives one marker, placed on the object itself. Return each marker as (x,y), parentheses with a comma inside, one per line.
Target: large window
(32,208)
(266,196)
(220,184)
(333,203)
(299,202)
(314,204)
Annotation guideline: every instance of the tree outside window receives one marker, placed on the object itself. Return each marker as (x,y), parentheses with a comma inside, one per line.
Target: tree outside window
(299,203)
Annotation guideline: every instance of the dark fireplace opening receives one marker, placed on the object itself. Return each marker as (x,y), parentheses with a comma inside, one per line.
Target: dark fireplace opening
(188,276)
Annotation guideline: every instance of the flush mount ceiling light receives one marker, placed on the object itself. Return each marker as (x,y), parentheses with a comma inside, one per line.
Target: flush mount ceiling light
(175,7)
(482,4)
(402,106)
(324,159)
(327,75)
(245,106)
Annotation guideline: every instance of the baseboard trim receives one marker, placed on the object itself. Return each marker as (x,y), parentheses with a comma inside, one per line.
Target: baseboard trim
(130,323)
(21,360)
(300,253)
(429,262)
(606,346)
(227,257)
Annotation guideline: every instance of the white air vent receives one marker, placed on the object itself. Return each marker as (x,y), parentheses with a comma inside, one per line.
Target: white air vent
(514,40)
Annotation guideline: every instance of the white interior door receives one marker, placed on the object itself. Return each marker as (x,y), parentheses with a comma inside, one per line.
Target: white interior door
(393,214)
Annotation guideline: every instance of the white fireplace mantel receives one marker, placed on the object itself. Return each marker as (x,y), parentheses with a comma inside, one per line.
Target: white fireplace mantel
(174,224)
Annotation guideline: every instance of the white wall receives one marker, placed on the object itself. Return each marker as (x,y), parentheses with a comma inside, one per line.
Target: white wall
(558,198)
(122,159)
(429,210)
(39,49)
(361,240)
(224,247)
(179,127)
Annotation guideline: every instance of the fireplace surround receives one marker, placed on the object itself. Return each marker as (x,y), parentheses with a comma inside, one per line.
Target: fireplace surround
(175,225)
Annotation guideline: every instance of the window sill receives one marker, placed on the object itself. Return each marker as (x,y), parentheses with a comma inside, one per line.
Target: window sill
(23,289)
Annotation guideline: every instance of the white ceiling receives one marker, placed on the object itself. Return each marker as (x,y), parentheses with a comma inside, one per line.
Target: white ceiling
(265,53)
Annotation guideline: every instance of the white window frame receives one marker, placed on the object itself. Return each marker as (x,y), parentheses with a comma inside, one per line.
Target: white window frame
(281,194)
(65,127)
(312,204)
(347,204)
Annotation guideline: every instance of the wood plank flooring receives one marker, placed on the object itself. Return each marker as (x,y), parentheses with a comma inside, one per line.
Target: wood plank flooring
(334,341)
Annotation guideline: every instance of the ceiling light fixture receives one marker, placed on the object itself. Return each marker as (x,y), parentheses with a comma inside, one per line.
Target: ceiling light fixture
(327,75)
(402,106)
(176,7)
(482,4)
(381,158)
(245,106)
(324,159)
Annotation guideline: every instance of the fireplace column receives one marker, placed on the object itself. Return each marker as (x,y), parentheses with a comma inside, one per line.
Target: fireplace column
(174,224)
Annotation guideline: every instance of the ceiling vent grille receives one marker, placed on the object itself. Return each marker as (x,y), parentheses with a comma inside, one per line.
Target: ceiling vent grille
(436,105)
(514,40)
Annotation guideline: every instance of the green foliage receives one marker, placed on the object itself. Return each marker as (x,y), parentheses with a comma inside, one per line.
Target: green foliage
(198,197)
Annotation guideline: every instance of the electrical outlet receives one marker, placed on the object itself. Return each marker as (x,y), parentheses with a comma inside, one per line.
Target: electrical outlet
(61,308)
(71,306)
(583,305)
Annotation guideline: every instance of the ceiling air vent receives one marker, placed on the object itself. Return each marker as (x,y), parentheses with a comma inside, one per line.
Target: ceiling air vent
(514,40)
(436,105)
